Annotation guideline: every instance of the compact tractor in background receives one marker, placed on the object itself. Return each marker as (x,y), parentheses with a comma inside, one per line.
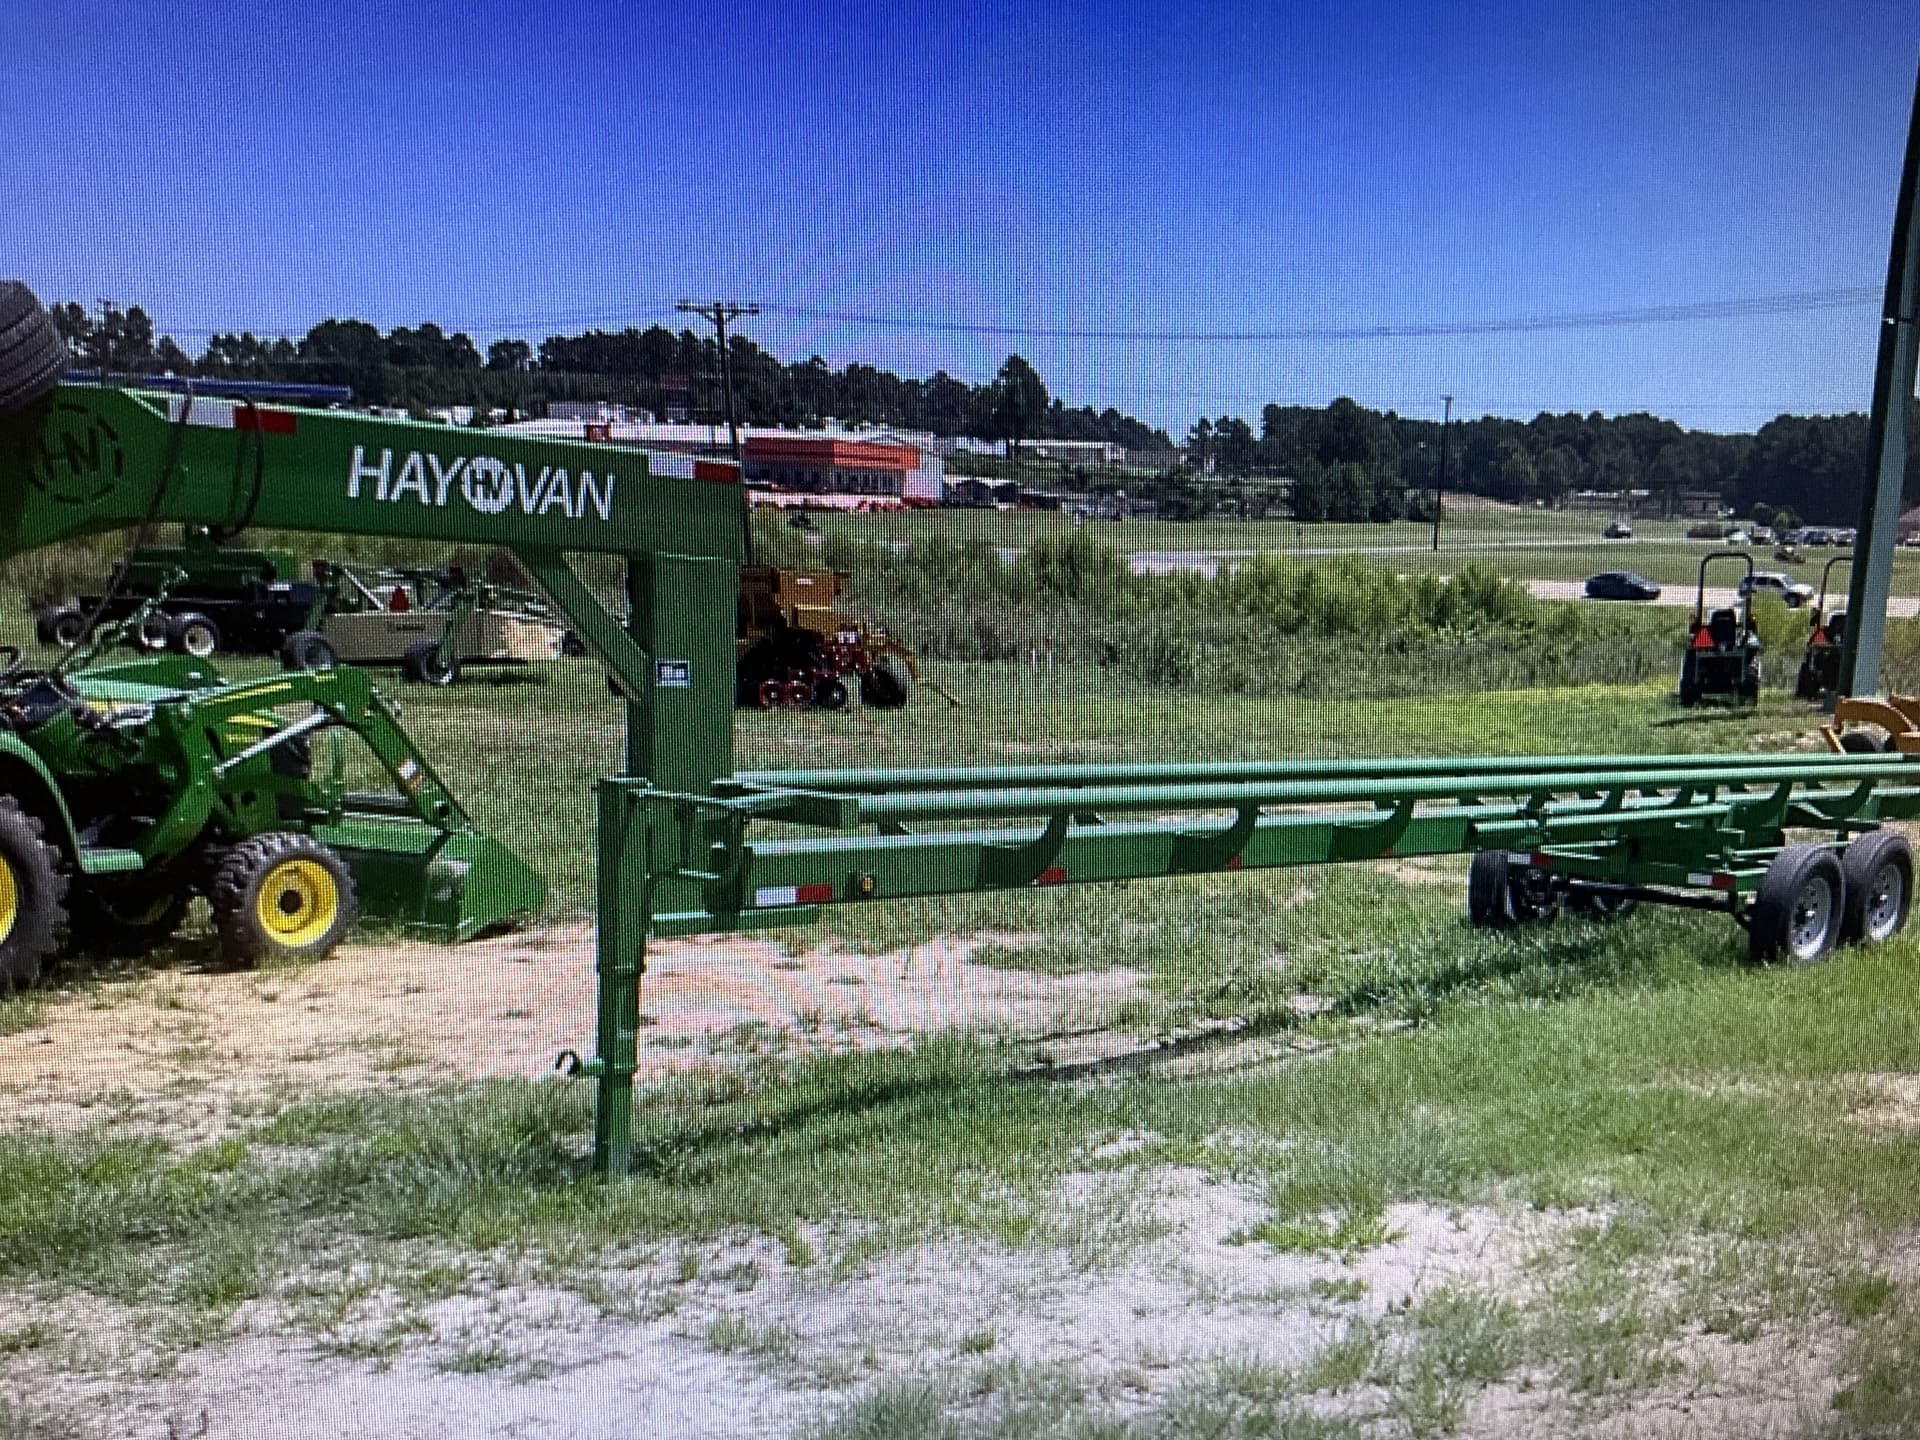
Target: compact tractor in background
(1722,659)
(1820,665)
(794,647)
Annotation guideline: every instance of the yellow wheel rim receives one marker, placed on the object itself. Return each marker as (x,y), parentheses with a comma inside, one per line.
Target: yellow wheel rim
(298,902)
(9,900)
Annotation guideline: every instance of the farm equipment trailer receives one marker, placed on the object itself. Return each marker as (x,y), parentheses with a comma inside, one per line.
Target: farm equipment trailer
(1791,846)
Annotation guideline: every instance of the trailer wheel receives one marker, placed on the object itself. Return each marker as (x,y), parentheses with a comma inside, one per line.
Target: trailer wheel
(1796,916)
(1863,742)
(885,686)
(65,627)
(195,634)
(33,891)
(281,896)
(155,630)
(32,355)
(306,650)
(422,665)
(1878,870)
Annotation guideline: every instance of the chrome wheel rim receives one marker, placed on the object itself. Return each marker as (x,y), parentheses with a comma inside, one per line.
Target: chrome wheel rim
(1886,897)
(1812,918)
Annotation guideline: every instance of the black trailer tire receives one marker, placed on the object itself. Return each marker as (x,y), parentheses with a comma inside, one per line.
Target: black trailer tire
(307,650)
(1796,915)
(1863,742)
(1878,870)
(33,893)
(63,626)
(1490,891)
(155,631)
(195,634)
(422,665)
(886,685)
(32,354)
(281,896)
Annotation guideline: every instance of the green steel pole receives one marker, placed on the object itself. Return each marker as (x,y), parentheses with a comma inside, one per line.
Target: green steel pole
(1893,379)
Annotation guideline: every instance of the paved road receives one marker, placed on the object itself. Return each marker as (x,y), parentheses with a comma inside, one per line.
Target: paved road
(1902,607)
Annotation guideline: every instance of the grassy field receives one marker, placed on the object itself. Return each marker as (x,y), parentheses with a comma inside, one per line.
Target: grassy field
(1523,544)
(1694,1182)
(1716,1160)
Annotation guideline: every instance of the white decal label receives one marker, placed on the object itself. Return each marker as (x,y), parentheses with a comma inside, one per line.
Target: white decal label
(773,896)
(678,674)
(486,483)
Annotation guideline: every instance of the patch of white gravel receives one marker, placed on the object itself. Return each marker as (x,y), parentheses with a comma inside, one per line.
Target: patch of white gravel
(1138,1282)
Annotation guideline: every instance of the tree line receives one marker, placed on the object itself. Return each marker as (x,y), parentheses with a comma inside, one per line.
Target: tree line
(1349,462)
(1344,461)
(657,369)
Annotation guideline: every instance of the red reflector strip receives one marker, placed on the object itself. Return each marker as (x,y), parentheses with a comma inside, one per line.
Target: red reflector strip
(1052,875)
(1540,860)
(1724,881)
(1235,863)
(719,472)
(267,422)
(816,894)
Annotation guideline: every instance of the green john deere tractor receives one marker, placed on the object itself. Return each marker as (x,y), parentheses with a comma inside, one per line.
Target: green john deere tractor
(128,789)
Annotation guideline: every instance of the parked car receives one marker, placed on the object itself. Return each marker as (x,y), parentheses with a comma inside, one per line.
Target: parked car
(1618,530)
(1621,585)
(1772,582)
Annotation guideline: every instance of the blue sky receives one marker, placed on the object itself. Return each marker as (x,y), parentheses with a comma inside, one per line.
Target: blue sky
(520,169)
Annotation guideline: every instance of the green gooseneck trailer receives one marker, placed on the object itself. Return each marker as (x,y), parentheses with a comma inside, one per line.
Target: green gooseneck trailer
(682,844)
(1788,845)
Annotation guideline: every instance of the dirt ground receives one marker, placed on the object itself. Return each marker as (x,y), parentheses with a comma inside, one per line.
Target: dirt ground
(1143,1281)
(174,1050)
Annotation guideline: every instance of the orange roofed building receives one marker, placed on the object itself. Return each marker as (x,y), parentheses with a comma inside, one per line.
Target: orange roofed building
(832,465)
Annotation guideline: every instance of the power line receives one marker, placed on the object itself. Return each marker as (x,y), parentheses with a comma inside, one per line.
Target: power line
(1746,307)
(1759,305)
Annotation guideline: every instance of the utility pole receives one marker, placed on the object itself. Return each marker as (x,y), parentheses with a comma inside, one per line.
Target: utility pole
(1893,378)
(1440,486)
(719,312)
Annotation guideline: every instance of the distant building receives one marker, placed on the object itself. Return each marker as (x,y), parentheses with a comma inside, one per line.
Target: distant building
(829,464)
(1076,452)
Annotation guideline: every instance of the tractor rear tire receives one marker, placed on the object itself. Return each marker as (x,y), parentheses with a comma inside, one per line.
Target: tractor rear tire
(886,685)
(1806,685)
(281,896)
(1689,683)
(195,634)
(33,893)
(1878,868)
(32,354)
(422,665)
(1797,914)
(306,650)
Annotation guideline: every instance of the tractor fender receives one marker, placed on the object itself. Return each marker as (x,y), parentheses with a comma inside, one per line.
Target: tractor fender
(25,777)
